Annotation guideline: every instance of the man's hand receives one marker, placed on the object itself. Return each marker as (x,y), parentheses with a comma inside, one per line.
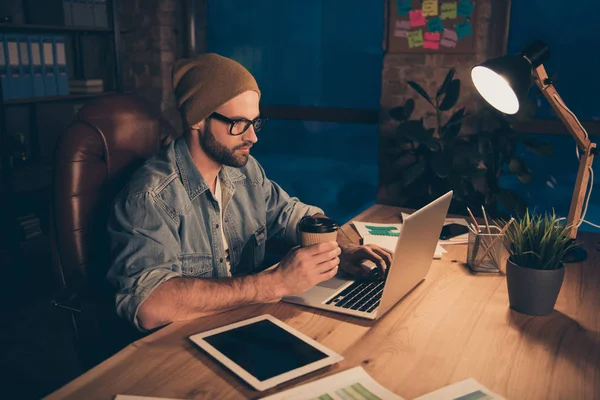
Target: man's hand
(354,256)
(302,268)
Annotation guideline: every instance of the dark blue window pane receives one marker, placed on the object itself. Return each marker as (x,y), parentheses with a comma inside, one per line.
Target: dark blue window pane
(333,166)
(325,53)
(569,29)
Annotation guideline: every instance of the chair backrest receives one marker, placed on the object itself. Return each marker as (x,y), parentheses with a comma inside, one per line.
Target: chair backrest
(109,138)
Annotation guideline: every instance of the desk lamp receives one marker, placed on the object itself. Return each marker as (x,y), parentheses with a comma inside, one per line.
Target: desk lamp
(504,82)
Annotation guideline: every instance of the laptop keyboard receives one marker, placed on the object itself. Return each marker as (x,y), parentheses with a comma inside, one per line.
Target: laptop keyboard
(360,296)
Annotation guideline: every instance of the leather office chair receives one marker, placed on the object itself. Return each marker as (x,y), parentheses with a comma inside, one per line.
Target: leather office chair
(109,138)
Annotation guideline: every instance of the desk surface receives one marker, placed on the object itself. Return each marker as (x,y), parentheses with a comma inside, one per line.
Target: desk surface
(453,326)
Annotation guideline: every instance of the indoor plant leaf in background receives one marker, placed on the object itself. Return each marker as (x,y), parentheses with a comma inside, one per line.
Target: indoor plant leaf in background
(516,165)
(452,128)
(543,149)
(441,164)
(525,176)
(442,89)
(511,201)
(412,173)
(420,90)
(452,94)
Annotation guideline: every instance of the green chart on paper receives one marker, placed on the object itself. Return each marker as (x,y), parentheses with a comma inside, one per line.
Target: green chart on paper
(383,230)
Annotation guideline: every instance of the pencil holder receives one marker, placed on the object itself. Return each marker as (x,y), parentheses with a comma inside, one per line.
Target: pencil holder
(486,250)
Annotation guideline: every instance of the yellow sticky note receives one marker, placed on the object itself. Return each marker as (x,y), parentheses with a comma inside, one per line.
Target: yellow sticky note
(415,38)
(448,10)
(430,8)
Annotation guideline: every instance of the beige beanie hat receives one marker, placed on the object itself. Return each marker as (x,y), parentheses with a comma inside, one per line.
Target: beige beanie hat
(203,83)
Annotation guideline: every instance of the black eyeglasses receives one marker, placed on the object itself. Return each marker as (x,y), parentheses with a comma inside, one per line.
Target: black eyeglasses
(241,125)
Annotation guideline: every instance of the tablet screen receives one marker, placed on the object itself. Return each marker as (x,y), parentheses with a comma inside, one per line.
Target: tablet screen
(264,349)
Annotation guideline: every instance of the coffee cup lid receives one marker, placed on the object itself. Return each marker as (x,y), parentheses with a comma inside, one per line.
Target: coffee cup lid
(318,225)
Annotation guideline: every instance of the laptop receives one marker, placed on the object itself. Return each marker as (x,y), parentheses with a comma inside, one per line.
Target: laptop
(410,264)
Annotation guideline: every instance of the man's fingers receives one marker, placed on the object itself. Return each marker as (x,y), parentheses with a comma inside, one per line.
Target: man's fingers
(324,267)
(371,255)
(385,254)
(320,248)
(323,257)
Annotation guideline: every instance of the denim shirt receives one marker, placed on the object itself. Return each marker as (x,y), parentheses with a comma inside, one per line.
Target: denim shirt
(165,224)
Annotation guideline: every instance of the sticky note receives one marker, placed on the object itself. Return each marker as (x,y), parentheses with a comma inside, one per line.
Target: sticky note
(431,45)
(448,10)
(435,25)
(415,38)
(416,18)
(449,34)
(449,38)
(434,37)
(403,7)
(430,8)
(465,8)
(464,29)
(402,28)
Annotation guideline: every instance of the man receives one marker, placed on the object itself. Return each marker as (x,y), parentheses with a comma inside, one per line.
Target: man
(203,208)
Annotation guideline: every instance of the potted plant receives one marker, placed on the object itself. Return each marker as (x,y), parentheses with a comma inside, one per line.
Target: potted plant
(537,244)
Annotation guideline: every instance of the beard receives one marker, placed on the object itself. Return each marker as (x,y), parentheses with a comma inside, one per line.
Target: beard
(220,153)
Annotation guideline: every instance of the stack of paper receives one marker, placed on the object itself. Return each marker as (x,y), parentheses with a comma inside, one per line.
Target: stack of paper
(385,235)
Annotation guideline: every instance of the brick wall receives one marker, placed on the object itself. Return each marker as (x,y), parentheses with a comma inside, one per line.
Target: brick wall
(152,41)
(429,70)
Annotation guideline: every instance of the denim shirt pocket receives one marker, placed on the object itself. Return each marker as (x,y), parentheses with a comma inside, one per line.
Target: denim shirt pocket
(196,265)
(260,238)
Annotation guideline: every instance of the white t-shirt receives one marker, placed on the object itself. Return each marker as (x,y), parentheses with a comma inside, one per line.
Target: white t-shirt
(219,198)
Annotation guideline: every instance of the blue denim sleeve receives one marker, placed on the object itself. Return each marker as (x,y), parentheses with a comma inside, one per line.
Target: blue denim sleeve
(283,212)
(145,251)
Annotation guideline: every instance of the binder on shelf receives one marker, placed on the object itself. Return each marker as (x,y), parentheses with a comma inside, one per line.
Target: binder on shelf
(14,74)
(78,10)
(35,56)
(25,67)
(100,14)
(62,80)
(48,64)
(68,12)
(4,69)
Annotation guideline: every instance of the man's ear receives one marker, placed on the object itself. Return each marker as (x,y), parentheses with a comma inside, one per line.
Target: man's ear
(199,126)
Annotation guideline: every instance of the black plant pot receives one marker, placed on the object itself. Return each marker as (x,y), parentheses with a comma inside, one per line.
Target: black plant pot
(533,291)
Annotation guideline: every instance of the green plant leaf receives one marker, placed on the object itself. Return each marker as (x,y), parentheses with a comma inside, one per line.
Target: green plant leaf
(525,176)
(420,90)
(452,94)
(397,113)
(511,201)
(442,89)
(516,165)
(452,128)
(412,173)
(543,149)
(409,107)
(441,164)
(413,130)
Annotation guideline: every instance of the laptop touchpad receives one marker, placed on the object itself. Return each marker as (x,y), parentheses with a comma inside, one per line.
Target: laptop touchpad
(333,283)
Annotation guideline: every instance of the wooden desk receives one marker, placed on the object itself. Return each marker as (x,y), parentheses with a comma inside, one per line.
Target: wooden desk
(453,326)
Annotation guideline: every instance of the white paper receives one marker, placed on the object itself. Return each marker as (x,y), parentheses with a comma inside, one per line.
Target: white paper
(467,389)
(387,242)
(354,384)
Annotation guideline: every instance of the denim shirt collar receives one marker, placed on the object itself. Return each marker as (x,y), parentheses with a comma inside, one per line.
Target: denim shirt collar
(193,181)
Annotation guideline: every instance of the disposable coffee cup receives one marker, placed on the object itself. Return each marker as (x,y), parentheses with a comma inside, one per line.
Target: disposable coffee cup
(313,230)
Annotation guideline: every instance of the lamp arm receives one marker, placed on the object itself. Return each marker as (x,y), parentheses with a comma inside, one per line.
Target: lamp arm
(583,142)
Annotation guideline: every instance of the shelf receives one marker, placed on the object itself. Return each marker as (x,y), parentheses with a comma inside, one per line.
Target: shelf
(53,28)
(52,99)
(31,178)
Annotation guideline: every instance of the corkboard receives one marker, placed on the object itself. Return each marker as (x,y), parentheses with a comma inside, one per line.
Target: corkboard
(457,19)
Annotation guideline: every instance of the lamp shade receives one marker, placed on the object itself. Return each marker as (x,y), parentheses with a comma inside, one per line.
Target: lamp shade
(504,81)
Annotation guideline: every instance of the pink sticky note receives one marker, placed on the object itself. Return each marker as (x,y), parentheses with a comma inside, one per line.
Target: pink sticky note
(448,43)
(449,34)
(403,25)
(400,33)
(416,18)
(432,36)
(431,45)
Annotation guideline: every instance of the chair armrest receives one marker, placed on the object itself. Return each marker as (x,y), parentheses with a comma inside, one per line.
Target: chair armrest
(68,300)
